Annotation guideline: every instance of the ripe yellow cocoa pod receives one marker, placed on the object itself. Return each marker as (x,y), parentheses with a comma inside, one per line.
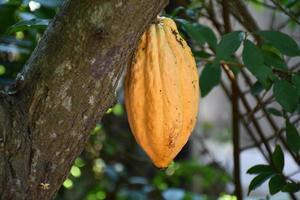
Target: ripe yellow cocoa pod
(162,92)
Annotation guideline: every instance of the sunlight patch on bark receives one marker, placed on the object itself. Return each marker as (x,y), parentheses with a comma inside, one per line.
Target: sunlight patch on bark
(92,100)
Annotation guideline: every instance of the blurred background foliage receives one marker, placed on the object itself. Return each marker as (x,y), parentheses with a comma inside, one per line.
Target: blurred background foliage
(112,165)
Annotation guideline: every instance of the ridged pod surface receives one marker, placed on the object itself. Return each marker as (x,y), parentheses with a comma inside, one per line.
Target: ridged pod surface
(162,92)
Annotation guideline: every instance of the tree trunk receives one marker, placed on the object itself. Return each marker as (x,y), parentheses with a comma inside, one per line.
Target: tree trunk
(64,89)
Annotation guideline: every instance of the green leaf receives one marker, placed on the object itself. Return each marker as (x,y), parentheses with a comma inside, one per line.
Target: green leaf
(229,44)
(210,37)
(284,93)
(234,65)
(195,5)
(270,48)
(7,16)
(293,137)
(256,88)
(235,69)
(284,43)
(272,59)
(259,169)
(29,24)
(177,10)
(291,3)
(258,181)
(199,33)
(296,82)
(263,74)
(278,158)
(276,183)
(11,2)
(257,6)
(201,54)
(192,31)
(254,61)
(118,110)
(252,55)
(210,77)
(291,187)
(191,13)
(274,111)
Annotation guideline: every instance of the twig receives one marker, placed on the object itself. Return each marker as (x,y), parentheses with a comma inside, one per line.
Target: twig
(270,137)
(255,123)
(242,14)
(285,23)
(289,14)
(295,66)
(213,17)
(235,113)
(245,125)
(261,3)
(259,106)
(272,122)
(273,17)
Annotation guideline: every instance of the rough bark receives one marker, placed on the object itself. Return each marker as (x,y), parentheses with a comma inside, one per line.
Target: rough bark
(65,88)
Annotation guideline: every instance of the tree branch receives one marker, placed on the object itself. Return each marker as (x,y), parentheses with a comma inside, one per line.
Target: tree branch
(289,14)
(65,88)
(234,110)
(242,14)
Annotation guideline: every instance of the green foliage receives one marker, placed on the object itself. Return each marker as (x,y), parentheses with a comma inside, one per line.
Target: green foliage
(210,77)
(293,137)
(7,11)
(284,43)
(286,95)
(274,172)
(274,60)
(199,33)
(274,112)
(229,44)
(258,181)
(254,61)
(291,187)
(258,169)
(263,173)
(296,83)
(276,184)
(256,88)
(278,158)
(29,24)
(252,55)
(20,29)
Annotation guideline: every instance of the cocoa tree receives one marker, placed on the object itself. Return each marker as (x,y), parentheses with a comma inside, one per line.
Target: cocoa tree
(64,89)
